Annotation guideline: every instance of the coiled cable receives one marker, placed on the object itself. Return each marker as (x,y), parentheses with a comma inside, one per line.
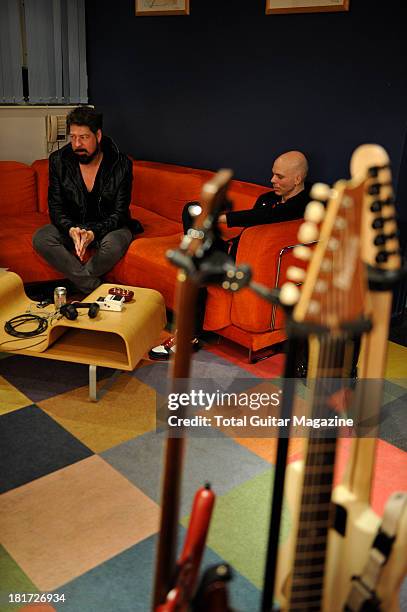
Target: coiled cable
(11,326)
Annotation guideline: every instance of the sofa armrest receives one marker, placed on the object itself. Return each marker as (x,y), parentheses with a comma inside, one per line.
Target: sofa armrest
(268,251)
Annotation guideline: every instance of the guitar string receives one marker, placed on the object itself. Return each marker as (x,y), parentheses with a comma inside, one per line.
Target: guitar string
(331,353)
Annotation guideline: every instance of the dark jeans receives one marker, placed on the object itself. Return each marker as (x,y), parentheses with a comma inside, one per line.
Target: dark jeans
(56,248)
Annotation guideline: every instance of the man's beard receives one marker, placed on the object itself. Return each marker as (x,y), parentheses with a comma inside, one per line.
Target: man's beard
(84,157)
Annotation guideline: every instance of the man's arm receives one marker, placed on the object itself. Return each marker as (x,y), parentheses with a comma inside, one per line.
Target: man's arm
(261,215)
(120,214)
(56,209)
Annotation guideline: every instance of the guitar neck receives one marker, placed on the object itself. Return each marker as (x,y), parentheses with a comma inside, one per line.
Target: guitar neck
(192,247)
(174,453)
(359,475)
(309,565)
(315,507)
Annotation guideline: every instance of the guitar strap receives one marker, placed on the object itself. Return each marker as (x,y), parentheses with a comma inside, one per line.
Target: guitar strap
(362,596)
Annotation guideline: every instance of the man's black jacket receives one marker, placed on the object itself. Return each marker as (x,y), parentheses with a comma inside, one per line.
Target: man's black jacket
(267,209)
(67,198)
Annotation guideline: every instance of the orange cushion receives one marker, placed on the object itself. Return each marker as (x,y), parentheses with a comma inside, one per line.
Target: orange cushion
(41,172)
(145,265)
(165,188)
(18,191)
(153,224)
(218,306)
(253,341)
(19,255)
(260,248)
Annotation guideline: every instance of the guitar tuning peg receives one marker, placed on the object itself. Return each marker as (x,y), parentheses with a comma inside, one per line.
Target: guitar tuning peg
(333,244)
(340,223)
(321,191)
(289,294)
(376,206)
(302,252)
(321,286)
(314,211)
(347,202)
(313,307)
(380,221)
(382,257)
(308,232)
(295,274)
(374,189)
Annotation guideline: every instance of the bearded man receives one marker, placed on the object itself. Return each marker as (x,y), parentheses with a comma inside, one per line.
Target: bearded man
(89,196)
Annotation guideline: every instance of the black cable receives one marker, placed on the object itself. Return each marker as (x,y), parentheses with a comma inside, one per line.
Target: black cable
(23,348)
(10,326)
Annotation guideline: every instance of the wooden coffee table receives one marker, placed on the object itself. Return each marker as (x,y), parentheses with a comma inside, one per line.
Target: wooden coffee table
(113,339)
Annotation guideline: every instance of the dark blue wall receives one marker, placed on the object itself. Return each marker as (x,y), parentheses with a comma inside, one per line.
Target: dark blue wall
(231,86)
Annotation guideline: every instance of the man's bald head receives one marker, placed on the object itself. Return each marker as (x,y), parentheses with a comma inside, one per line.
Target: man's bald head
(289,172)
(294,161)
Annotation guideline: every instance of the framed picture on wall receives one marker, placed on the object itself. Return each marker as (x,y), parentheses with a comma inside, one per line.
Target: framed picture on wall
(162,7)
(305,6)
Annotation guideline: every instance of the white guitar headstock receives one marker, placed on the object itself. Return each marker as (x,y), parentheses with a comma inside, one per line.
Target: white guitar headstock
(332,293)
(380,245)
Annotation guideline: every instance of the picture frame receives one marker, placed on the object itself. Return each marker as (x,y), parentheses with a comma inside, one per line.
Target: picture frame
(152,8)
(305,6)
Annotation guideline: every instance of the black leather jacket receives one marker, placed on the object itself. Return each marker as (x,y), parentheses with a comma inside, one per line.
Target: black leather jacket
(67,200)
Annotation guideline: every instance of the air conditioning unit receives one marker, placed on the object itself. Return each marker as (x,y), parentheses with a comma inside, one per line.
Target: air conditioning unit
(55,128)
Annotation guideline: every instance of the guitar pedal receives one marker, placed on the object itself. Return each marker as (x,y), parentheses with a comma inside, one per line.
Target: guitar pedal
(127,294)
(111,302)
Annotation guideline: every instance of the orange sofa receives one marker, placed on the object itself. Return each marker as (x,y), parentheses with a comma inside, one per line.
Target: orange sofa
(159,194)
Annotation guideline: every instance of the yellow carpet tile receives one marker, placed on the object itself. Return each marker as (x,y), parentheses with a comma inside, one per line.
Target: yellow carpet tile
(127,410)
(11,398)
(62,525)
(396,361)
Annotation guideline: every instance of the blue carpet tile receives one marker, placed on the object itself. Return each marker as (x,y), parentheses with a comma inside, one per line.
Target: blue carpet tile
(41,379)
(33,445)
(124,583)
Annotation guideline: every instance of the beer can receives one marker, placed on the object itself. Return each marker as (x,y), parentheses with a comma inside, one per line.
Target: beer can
(59,297)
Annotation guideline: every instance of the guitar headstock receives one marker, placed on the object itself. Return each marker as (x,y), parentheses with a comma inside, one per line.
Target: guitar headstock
(355,225)
(334,287)
(380,245)
(213,197)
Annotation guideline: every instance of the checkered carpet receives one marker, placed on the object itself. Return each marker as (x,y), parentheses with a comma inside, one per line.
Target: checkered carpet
(80,481)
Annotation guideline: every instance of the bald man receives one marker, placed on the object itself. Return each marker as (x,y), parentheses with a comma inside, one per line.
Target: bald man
(285,202)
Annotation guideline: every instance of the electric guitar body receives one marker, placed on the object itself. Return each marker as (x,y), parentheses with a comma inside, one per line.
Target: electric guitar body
(395,570)
(332,531)
(176,580)
(348,552)
(286,555)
